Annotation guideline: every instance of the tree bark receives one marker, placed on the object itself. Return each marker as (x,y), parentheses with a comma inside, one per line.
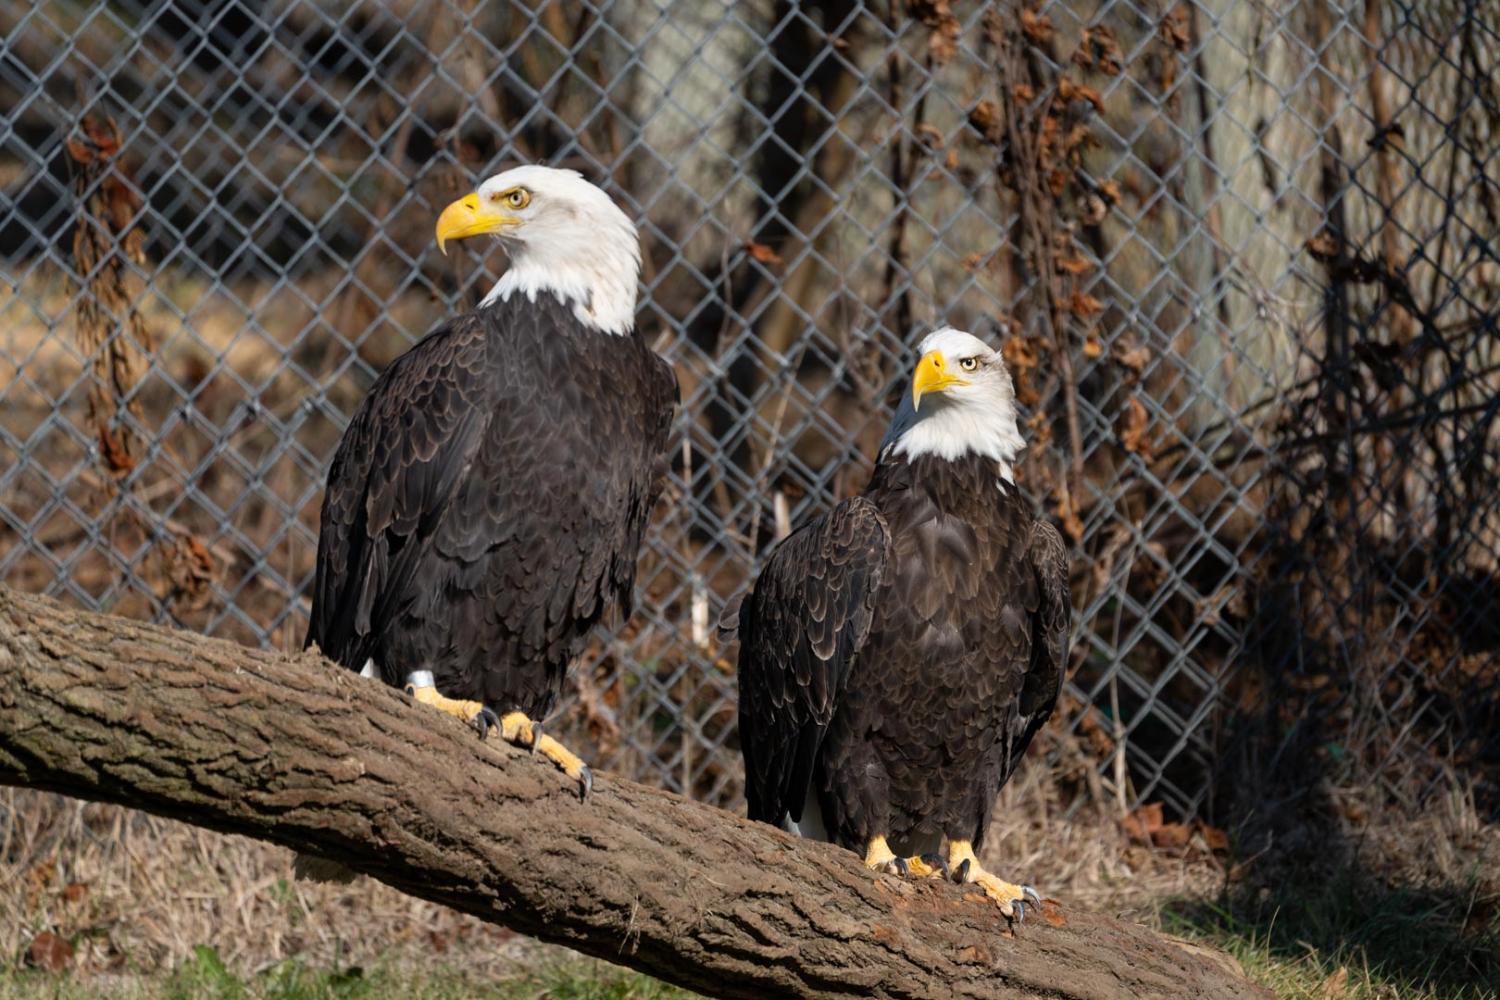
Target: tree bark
(299,752)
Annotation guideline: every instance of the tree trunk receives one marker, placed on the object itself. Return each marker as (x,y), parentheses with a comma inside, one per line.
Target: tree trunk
(299,752)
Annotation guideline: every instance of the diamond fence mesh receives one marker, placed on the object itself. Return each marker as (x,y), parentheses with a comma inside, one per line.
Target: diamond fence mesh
(1241,257)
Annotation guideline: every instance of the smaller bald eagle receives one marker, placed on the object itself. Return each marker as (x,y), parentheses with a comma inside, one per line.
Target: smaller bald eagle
(488,499)
(898,654)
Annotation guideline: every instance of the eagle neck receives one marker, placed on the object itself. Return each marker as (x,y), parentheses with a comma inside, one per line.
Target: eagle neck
(983,428)
(951,483)
(600,300)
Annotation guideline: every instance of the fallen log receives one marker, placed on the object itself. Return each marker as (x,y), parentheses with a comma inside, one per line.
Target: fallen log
(296,751)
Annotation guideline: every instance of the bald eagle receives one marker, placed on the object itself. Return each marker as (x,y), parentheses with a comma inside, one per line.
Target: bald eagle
(899,653)
(486,504)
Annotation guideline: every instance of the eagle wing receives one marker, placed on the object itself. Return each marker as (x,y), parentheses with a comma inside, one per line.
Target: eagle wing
(390,482)
(799,629)
(1048,559)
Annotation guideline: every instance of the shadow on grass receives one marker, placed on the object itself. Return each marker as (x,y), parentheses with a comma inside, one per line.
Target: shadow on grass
(1392,942)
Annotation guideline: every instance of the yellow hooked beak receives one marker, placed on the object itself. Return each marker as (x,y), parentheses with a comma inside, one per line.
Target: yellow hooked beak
(470,216)
(932,375)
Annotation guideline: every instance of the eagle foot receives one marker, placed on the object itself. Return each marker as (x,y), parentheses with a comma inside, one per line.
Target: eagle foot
(1012,899)
(518,728)
(472,712)
(879,857)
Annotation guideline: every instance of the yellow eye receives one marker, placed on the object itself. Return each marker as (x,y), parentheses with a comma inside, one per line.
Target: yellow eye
(518,198)
(969,364)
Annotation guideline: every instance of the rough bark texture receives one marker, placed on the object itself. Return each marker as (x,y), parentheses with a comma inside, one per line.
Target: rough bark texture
(299,752)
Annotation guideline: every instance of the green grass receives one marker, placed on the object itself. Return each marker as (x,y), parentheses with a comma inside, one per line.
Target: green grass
(1390,944)
(205,976)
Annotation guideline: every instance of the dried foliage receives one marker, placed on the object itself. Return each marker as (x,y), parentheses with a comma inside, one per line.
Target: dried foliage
(938,16)
(109,329)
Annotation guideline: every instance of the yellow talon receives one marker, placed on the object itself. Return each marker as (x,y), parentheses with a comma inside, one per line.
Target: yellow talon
(880,857)
(517,728)
(1012,899)
(920,867)
(465,710)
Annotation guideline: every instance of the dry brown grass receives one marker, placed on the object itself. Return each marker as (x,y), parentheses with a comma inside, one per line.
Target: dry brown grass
(136,893)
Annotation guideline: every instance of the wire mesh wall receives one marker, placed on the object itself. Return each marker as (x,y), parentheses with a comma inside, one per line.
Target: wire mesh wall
(1240,256)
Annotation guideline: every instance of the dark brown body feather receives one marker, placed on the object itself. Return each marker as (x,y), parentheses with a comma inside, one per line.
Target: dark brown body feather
(486,504)
(898,654)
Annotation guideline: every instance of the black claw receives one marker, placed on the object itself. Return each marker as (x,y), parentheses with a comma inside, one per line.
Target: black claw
(1018,910)
(1029,891)
(585,784)
(484,720)
(961,874)
(902,868)
(536,735)
(411,691)
(937,861)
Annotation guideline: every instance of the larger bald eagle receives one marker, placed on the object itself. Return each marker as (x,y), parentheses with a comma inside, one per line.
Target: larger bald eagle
(898,654)
(486,504)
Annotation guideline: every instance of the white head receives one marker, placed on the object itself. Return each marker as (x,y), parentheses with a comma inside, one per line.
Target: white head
(563,235)
(961,401)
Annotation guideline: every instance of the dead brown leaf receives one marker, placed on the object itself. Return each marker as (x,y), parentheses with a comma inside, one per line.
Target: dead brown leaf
(117,461)
(1392,135)
(1079,138)
(1111,192)
(1142,822)
(1171,836)
(939,17)
(1023,93)
(1067,90)
(75,892)
(987,121)
(1035,26)
(190,571)
(100,140)
(930,135)
(1216,839)
(1092,210)
(1067,513)
(1052,913)
(1134,358)
(49,951)
(1146,826)
(764,254)
(1084,305)
(1132,428)
(1092,348)
(951,160)
(1323,246)
(1021,357)
(1073,265)
(1097,739)
(1098,50)
(1039,430)
(1174,30)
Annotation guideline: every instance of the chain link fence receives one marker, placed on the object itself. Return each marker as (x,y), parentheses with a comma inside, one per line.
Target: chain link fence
(1241,256)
